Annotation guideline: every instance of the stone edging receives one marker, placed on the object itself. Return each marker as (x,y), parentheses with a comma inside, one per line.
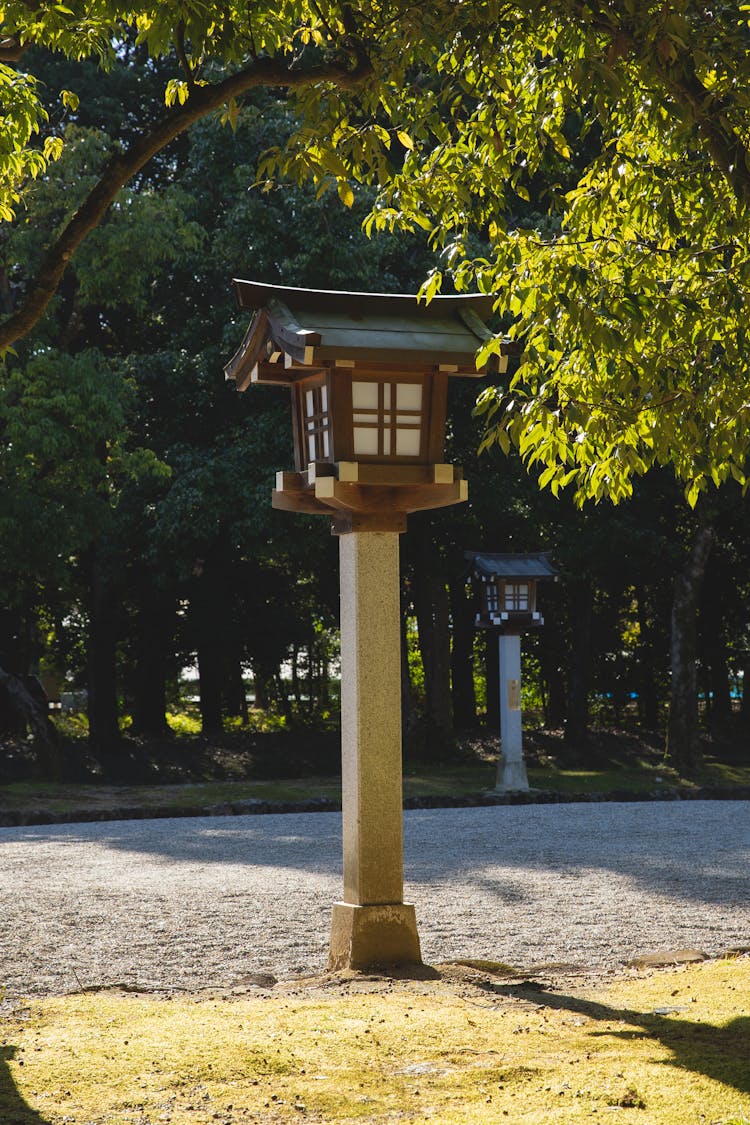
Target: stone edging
(258,807)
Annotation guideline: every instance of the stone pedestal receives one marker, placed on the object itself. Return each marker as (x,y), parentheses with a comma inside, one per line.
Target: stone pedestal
(373,935)
(511,770)
(372,925)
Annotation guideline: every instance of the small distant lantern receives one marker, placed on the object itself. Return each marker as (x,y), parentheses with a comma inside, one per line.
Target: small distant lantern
(368,375)
(507,603)
(507,590)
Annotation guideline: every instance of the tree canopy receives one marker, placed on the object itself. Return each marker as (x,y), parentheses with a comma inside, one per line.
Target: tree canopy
(586,162)
(602,152)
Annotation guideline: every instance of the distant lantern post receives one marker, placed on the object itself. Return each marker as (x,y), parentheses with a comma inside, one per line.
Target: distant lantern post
(368,376)
(507,604)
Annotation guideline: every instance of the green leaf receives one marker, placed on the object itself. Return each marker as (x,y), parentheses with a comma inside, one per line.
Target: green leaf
(346,195)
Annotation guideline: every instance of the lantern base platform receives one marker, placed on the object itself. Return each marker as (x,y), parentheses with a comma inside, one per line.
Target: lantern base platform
(512,777)
(362,497)
(383,934)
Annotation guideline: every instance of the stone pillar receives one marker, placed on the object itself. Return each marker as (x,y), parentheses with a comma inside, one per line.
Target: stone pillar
(511,769)
(372,925)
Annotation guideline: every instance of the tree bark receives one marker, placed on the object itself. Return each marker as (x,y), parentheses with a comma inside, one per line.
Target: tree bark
(462,656)
(683,732)
(433,626)
(409,721)
(24,706)
(713,641)
(103,711)
(579,665)
(551,666)
(153,630)
(648,695)
(235,696)
(264,682)
(492,680)
(210,669)
(745,704)
(209,629)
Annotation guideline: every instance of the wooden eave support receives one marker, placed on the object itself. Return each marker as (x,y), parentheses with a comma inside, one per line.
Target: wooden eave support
(288,333)
(245,359)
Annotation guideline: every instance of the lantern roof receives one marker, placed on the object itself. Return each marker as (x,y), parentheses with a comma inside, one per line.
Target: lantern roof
(512,566)
(306,328)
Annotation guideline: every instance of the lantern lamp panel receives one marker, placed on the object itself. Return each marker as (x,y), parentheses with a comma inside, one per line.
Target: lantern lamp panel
(517,596)
(407,442)
(364,395)
(315,422)
(492,595)
(409,396)
(365,441)
(387,418)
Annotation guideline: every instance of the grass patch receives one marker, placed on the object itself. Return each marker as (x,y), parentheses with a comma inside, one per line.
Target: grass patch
(668,1049)
(419,781)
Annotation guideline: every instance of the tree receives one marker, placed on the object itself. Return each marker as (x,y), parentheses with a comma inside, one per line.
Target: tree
(219,53)
(149,291)
(601,150)
(683,739)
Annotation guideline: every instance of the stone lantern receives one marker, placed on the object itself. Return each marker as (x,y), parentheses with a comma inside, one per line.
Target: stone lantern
(368,375)
(507,603)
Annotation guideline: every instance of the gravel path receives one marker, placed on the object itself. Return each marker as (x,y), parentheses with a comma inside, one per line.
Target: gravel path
(205,903)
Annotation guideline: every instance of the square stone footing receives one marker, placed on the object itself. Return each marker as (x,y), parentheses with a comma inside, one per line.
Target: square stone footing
(512,777)
(362,936)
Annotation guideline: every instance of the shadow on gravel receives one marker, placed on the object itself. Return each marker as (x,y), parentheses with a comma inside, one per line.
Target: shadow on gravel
(721,1053)
(13,1109)
(696,852)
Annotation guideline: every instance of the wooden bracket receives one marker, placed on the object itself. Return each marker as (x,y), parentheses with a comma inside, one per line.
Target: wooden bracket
(366,500)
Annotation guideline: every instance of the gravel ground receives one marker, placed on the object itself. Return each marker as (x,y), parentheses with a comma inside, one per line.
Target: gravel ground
(208,903)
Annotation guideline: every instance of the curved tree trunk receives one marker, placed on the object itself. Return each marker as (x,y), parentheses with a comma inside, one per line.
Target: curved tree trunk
(23,705)
(683,734)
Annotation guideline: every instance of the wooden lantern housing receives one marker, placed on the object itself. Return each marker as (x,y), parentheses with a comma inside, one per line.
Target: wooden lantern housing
(507,590)
(368,375)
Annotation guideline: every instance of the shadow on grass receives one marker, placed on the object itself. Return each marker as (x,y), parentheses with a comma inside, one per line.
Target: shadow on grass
(13,1109)
(718,1052)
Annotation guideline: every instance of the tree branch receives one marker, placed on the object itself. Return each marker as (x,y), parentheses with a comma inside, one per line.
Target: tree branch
(121,167)
(11,50)
(182,55)
(727,150)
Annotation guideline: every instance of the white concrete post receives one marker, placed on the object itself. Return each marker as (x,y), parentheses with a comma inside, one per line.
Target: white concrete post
(511,769)
(372,925)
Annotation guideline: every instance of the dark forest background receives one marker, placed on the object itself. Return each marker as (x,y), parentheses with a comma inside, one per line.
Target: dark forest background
(137,538)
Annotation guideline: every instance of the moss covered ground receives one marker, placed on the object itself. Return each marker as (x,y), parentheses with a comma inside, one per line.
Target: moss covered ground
(474,1045)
